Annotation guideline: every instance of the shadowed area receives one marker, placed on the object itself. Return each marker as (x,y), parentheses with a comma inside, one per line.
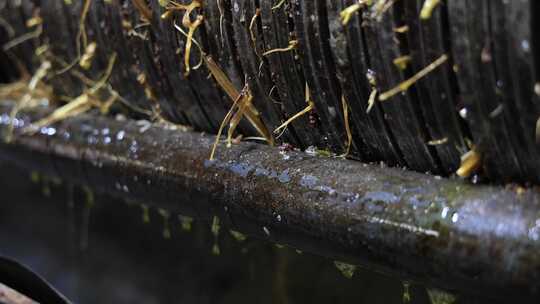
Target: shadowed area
(129,261)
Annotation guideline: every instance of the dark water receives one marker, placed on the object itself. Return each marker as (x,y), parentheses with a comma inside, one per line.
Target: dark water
(104,252)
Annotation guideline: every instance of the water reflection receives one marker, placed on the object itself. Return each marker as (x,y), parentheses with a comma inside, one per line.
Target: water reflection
(105,251)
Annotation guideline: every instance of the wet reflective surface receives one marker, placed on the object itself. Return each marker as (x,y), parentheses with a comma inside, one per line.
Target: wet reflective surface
(98,250)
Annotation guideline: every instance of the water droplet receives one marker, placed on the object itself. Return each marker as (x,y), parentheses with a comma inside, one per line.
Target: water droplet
(455,217)
(308,181)
(444,212)
(537,88)
(133,148)
(525,46)
(332,111)
(284,177)
(120,135)
(311,150)
(534,232)
(48,131)
(463,113)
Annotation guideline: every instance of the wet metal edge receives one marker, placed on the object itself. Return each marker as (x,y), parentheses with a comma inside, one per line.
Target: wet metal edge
(474,239)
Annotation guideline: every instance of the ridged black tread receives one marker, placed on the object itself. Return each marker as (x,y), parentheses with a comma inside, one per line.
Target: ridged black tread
(436,94)
(472,39)
(402,111)
(16,17)
(352,64)
(308,21)
(186,99)
(513,56)
(113,38)
(491,73)
(255,66)
(287,71)
(220,46)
